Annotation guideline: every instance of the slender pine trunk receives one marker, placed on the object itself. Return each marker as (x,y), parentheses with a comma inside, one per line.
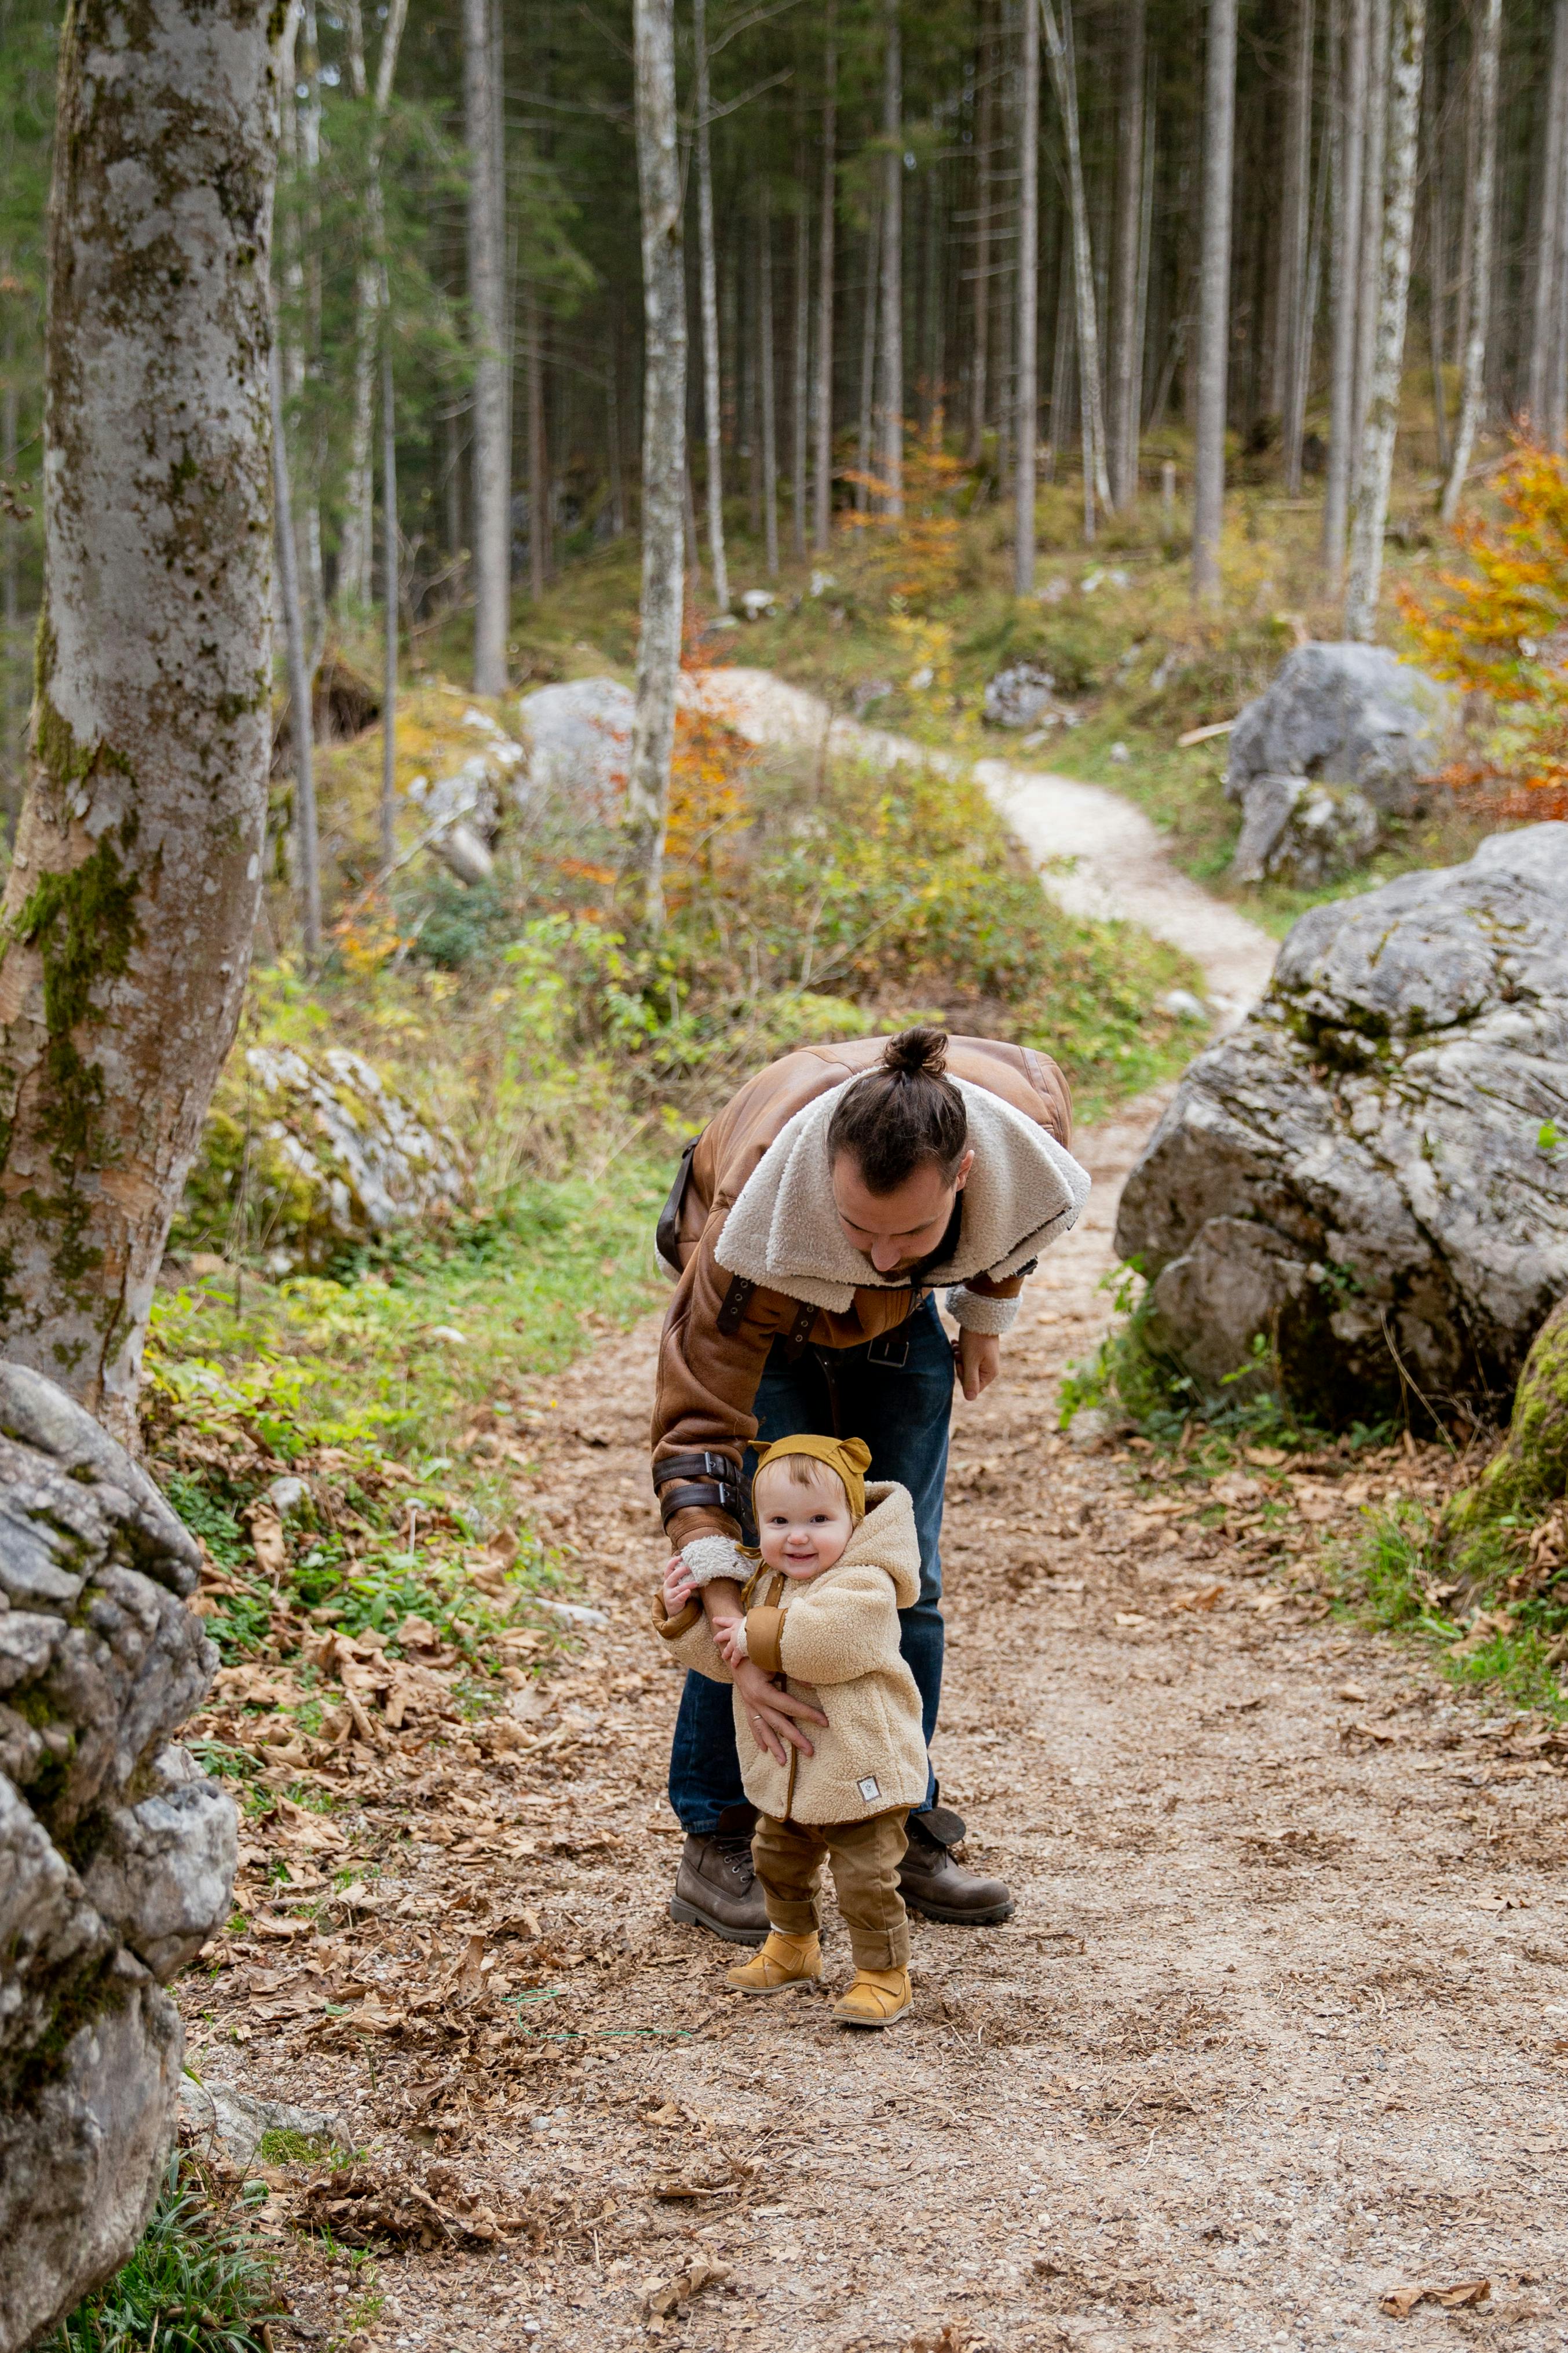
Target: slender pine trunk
(664,477)
(890,466)
(1548,264)
(800,372)
(1301,373)
(487,296)
(822,518)
(1369,513)
(766,370)
(707,280)
(1026,398)
(979,388)
(1294,209)
(359,510)
(1350,165)
(864,448)
(613,433)
(537,449)
(1479,214)
(1126,347)
(390,594)
(1213,300)
(1373,198)
(1436,262)
(1064,80)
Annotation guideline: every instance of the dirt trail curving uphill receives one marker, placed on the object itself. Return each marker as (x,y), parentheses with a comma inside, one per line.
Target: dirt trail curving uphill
(1098,855)
(1278,2029)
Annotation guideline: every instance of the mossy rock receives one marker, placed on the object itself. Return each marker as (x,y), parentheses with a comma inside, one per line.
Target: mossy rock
(1528,1474)
(307,1154)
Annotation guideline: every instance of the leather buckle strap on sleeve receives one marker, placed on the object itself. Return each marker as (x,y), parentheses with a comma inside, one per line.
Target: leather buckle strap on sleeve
(737,1299)
(700,1481)
(799,1332)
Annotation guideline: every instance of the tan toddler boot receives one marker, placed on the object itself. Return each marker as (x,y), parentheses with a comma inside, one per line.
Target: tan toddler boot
(875,1997)
(783,1961)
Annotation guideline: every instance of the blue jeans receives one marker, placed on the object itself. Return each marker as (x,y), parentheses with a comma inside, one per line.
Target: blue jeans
(897,1394)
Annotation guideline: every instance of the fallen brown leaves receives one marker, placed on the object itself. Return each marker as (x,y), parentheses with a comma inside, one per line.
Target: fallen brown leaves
(1401,2302)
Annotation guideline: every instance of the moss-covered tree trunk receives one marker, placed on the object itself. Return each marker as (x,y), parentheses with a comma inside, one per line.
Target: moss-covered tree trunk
(127,918)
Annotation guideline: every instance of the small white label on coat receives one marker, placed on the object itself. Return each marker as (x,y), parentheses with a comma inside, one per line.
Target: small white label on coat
(869,1787)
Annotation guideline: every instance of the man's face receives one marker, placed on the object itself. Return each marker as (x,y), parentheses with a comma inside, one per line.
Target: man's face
(895,1230)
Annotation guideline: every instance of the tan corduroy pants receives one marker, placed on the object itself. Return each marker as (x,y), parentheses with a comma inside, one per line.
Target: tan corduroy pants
(864,1858)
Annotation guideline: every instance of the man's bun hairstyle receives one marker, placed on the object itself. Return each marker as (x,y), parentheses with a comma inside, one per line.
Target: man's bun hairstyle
(902,1116)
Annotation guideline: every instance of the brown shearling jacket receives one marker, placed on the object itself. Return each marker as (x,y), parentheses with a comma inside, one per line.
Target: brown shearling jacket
(710,1364)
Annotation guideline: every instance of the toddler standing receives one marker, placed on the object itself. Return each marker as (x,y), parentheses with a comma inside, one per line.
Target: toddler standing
(821,1616)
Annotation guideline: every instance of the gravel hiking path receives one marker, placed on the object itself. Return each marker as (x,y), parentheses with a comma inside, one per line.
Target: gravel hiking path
(1098,855)
(1280,2027)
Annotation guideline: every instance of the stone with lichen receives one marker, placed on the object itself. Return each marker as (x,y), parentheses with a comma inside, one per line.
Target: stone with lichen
(1361,1195)
(117,1855)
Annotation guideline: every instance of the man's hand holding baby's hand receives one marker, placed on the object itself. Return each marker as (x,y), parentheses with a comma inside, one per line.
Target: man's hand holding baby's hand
(679,1587)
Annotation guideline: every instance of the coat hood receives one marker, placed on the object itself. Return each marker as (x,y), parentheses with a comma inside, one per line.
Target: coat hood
(1024,1191)
(886,1539)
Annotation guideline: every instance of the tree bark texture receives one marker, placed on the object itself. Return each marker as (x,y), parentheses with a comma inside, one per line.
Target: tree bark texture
(822,503)
(1126,344)
(1027,396)
(708,274)
(130,906)
(1370,514)
(1290,282)
(371,289)
(800,369)
(1370,250)
(1064,80)
(390,598)
(664,452)
(1350,165)
(1213,300)
(538,450)
(1548,271)
(890,466)
(767,372)
(979,371)
(302,678)
(1480,204)
(487,296)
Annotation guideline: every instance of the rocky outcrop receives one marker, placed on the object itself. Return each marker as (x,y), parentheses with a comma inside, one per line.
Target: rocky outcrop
(117,1857)
(1020,696)
(327,1154)
(1370,1173)
(460,811)
(579,740)
(1345,738)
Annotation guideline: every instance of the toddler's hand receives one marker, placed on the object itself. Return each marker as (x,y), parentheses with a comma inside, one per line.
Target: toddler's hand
(726,1640)
(678,1588)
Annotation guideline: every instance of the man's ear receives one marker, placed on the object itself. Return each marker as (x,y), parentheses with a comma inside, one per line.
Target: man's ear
(961,1174)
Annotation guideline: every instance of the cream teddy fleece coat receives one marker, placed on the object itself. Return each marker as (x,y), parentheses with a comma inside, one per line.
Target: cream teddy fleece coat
(834,1640)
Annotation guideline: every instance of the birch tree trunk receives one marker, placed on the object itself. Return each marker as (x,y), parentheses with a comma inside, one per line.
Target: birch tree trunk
(890,465)
(486,297)
(1064,80)
(1027,398)
(131,898)
(1213,300)
(359,507)
(822,517)
(767,376)
(708,276)
(1369,513)
(1478,296)
(1126,346)
(800,370)
(1349,167)
(664,454)
(1295,208)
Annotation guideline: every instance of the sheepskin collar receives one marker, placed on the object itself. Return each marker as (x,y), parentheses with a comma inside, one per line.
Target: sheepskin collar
(783,1233)
(885,1539)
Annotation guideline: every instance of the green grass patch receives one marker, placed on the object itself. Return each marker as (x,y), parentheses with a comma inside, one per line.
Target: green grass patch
(197,2284)
(1514,1652)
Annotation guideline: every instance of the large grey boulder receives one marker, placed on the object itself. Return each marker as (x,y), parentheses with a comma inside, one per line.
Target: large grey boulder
(116,1855)
(579,742)
(1344,738)
(1367,1172)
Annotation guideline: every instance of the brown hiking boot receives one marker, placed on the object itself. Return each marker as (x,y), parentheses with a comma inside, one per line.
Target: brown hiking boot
(937,1887)
(716,1888)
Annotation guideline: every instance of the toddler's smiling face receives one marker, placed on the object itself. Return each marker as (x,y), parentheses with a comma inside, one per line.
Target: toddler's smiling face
(804,1521)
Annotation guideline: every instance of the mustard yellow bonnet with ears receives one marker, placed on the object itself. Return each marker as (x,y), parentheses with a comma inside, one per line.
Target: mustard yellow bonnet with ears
(850,1457)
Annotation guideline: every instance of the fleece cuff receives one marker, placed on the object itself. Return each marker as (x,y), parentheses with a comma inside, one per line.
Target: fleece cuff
(972,1312)
(709,1558)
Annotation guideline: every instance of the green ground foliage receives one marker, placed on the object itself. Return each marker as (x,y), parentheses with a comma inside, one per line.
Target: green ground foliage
(197,2284)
